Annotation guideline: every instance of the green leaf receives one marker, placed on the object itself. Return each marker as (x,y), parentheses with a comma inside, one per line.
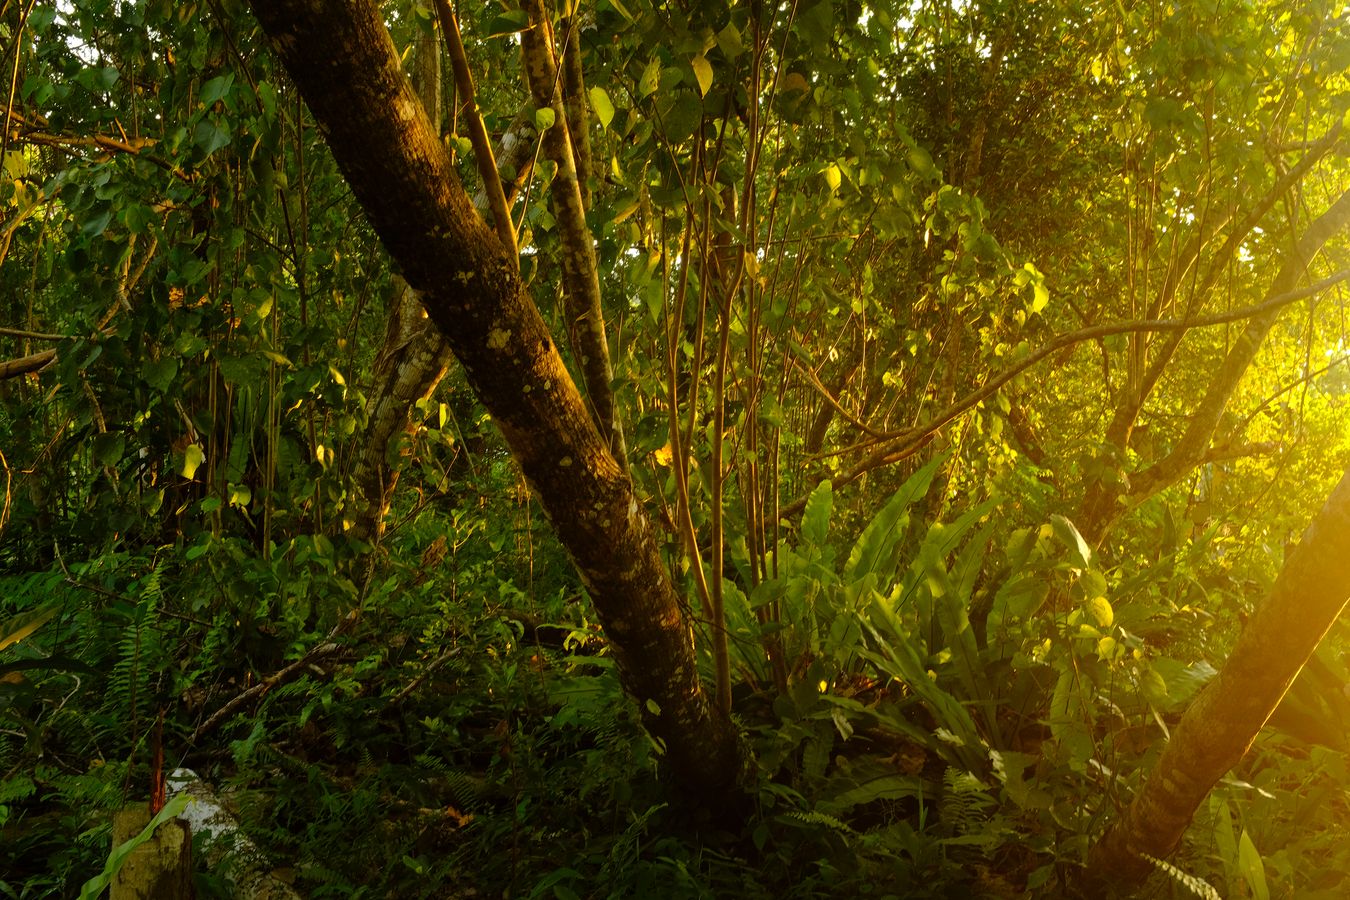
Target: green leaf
(193,457)
(96,225)
(1040,294)
(876,547)
(16,164)
(510,22)
(683,117)
(816,517)
(108,448)
(16,628)
(1252,868)
(95,886)
(604,109)
(210,137)
(1080,552)
(544,118)
(1099,611)
(216,88)
(137,217)
(621,10)
(159,374)
(651,78)
(730,42)
(703,72)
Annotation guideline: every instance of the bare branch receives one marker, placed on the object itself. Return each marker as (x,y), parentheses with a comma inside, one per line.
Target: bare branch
(33,363)
(478,136)
(32,335)
(896,445)
(324,649)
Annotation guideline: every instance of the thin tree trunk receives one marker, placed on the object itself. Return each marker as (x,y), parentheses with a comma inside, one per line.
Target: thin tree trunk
(1101,501)
(1221,724)
(410,366)
(346,67)
(581,278)
(411,363)
(1190,451)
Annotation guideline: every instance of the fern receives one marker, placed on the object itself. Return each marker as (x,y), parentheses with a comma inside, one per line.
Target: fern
(464,790)
(1193,883)
(820,818)
(965,804)
(130,692)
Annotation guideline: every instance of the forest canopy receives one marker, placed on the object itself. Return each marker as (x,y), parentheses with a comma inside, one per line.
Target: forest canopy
(814,449)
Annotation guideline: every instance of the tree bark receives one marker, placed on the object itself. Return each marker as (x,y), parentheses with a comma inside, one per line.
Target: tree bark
(36,362)
(1221,724)
(581,278)
(345,65)
(410,365)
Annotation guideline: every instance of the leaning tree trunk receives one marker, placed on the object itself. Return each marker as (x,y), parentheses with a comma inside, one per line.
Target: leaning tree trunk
(346,68)
(411,363)
(1221,724)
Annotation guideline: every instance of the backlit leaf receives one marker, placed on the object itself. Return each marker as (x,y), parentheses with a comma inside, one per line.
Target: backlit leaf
(604,109)
(193,457)
(703,72)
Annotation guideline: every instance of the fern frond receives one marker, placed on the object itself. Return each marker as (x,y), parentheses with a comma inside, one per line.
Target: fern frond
(820,818)
(1193,883)
(965,803)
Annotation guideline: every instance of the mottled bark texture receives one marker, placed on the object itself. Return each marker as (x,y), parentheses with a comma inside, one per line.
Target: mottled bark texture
(344,63)
(411,363)
(581,279)
(1220,725)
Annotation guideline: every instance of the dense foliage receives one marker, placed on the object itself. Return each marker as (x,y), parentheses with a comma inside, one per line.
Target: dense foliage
(927,325)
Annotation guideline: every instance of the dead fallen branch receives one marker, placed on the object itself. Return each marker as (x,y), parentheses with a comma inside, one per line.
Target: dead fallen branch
(323,650)
(35,362)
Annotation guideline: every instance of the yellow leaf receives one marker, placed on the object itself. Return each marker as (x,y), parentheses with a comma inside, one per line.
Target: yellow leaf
(1099,608)
(833,177)
(193,457)
(703,72)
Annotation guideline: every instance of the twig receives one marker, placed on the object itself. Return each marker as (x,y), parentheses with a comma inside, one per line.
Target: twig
(322,650)
(4,513)
(33,335)
(897,445)
(482,147)
(424,675)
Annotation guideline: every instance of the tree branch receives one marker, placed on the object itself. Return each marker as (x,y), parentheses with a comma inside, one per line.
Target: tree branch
(478,136)
(22,366)
(581,279)
(894,446)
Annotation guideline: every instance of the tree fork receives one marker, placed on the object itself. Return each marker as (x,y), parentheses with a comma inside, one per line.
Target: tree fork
(345,65)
